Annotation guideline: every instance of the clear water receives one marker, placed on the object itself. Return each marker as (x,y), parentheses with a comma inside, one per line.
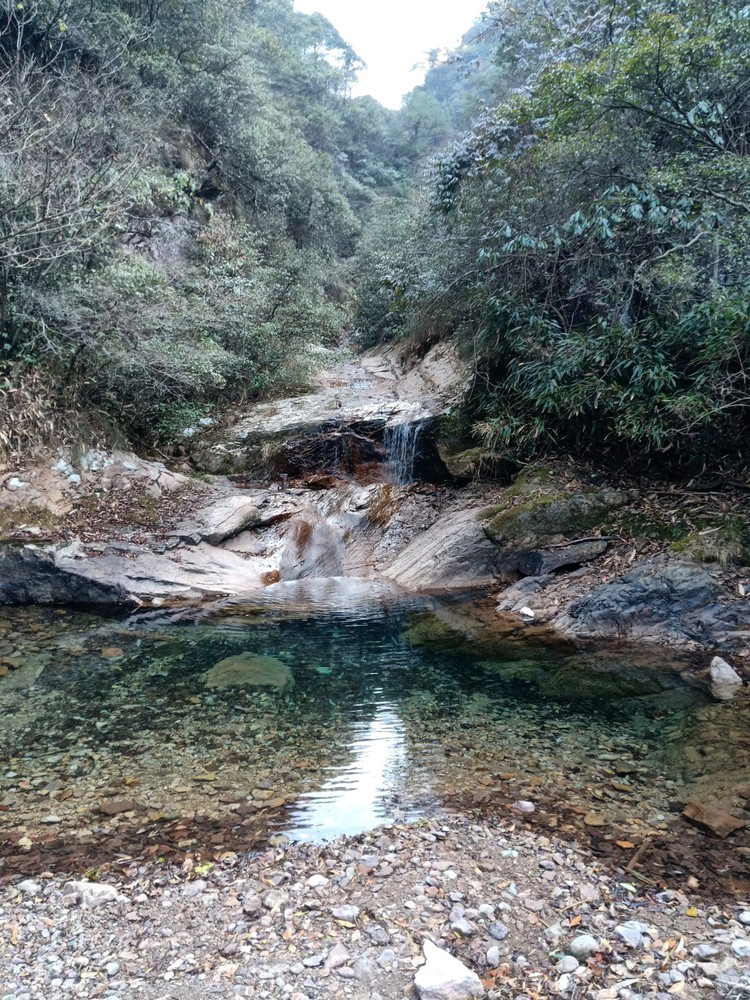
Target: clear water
(388,710)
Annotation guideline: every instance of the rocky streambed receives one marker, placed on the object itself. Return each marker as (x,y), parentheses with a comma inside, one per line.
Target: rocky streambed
(501,699)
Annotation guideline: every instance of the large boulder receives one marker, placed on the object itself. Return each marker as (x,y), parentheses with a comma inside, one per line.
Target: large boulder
(31,574)
(658,599)
(548,519)
(454,553)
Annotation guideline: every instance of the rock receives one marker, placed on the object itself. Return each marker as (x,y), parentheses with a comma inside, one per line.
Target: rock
(547,518)
(524,806)
(631,933)
(498,930)
(29,887)
(252,904)
(741,947)
(493,956)
(724,681)
(317,881)
(594,819)
(338,426)
(249,670)
(31,574)
(583,946)
(347,913)
(365,970)
(659,598)
(222,520)
(443,977)
(454,552)
(744,918)
(714,820)
(540,562)
(336,957)
(567,964)
(705,951)
(93,894)
(112,807)
(274,899)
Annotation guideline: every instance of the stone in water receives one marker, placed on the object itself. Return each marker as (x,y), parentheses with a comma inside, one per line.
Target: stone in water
(249,670)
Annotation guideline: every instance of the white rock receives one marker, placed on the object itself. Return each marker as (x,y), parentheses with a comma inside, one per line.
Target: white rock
(443,977)
(493,956)
(29,887)
(16,484)
(744,918)
(741,947)
(527,613)
(567,964)
(724,681)
(631,932)
(583,946)
(94,893)
(317,881)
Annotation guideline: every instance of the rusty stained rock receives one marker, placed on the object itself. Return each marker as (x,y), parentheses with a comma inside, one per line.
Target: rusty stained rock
(721,824)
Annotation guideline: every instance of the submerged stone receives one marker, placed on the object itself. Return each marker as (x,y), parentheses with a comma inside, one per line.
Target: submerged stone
(249,670)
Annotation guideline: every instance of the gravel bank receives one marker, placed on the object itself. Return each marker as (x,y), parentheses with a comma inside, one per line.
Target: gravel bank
(532,915)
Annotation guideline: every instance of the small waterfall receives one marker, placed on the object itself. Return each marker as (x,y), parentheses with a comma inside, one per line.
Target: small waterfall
(401,443)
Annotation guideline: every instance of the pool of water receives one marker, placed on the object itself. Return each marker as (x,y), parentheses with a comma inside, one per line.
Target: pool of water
(162,734)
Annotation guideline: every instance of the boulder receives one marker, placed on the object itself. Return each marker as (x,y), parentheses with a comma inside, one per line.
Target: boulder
(219,521)
(31,574)
(659,598)
(551,517)
(453,553)
(443,977)
(540,562)
(724,681)
(249,670)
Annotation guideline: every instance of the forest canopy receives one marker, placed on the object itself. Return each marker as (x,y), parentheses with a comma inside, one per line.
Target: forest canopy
(587,239)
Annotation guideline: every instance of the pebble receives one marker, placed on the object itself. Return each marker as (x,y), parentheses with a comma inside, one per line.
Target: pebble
(498,930)
(744,918)
(631,933)
(348,913)
(443,977)
(741,947)
(567,964)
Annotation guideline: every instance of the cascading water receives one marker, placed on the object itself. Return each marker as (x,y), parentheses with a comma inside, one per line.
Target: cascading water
(401,444)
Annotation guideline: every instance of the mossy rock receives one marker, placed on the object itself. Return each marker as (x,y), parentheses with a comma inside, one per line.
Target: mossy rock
(724,541)
(548,517)
(576,680)
(515,671)
(429,630)
(249,670)
(536,478)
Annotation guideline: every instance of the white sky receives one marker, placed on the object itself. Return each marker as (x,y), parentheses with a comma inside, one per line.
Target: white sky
(392,36)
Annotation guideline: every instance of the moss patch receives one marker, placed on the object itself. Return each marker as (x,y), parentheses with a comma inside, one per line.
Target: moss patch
(545,518)
(724,541)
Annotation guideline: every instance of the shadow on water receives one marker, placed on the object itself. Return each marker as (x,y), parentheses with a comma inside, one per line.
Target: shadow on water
(322,708)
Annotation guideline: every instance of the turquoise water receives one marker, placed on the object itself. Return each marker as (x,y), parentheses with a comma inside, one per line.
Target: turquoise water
(353,716)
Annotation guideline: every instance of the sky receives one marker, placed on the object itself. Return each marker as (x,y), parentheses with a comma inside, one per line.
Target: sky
(393,36)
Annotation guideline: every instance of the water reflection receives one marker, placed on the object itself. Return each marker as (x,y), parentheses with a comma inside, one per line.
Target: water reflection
(357,795)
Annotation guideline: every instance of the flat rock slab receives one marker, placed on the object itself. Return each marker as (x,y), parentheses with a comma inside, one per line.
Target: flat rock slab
(249,670)
(443,977)
(719,823)
(540,562)
(191,573)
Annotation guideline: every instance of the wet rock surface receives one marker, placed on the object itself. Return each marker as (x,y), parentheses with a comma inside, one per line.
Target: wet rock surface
(576,927)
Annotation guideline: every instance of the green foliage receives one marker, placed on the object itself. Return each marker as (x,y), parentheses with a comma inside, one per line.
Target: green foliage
(588,240)
(179,186)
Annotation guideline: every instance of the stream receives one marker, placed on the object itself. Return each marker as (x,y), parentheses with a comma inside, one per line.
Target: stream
(323,710)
